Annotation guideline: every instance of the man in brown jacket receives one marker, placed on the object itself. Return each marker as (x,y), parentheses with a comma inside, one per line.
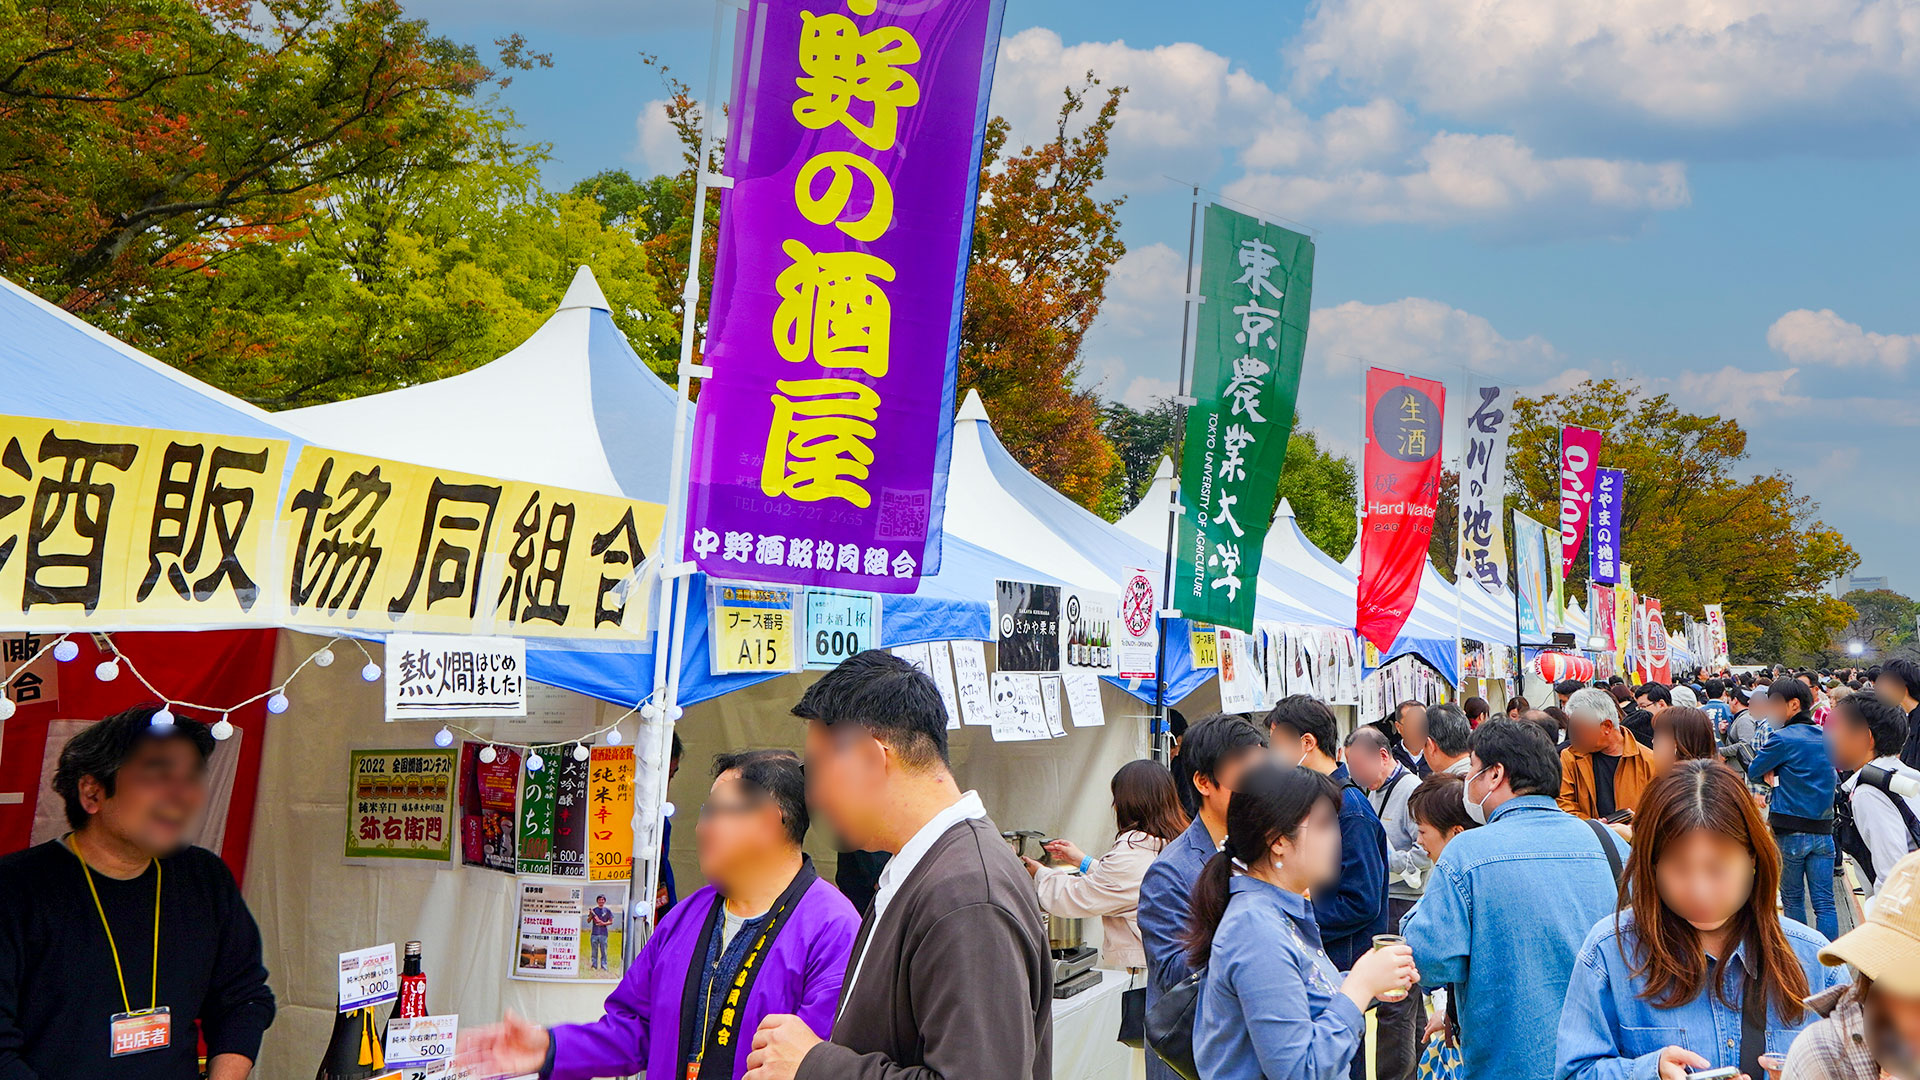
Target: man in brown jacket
(950,978)
(1604,768)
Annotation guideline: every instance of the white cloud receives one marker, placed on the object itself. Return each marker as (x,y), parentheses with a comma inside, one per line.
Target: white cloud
(1822,337)
(1680,63)
(1145,390)
(1139,327)
(1189,113)
(1456,178)
(656,146)
(1423,337)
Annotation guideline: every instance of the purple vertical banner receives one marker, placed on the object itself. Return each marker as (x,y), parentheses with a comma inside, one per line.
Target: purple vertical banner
(821,442)
(1609,503)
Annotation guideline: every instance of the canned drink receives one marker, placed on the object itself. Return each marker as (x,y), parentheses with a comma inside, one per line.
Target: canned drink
(1381,941)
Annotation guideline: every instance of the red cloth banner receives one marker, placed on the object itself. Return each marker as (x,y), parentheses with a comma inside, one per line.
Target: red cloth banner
(1659,654)
(1402,483)
(1579,458)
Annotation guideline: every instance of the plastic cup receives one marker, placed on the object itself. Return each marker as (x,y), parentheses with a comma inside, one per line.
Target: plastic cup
(1381,941)
(1773,1064)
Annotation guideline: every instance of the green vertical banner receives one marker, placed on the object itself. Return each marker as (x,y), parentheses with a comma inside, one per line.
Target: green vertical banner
(1256,286)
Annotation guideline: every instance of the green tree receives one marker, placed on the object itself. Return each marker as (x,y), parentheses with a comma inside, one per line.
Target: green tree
(1695,531)
(1322,489)
(1883,623)
(1141,437)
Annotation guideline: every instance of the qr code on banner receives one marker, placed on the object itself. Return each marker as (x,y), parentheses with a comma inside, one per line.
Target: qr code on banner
(903,514)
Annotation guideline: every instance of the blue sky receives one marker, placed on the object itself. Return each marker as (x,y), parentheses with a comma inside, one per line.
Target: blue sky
(1714,196)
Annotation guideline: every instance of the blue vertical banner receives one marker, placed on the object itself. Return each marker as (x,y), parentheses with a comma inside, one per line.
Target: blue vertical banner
(1609,526)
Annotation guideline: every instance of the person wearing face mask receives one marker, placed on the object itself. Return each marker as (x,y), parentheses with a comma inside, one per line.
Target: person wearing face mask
(1274,1006)
(1508,904)
(1869,1029)
(1699,971)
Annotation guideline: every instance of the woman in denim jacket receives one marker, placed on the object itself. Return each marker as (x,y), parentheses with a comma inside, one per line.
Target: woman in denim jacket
(1273,1007)
(1660,987)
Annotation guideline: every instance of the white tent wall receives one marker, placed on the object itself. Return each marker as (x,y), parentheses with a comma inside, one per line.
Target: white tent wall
(1057,785)
(312,904)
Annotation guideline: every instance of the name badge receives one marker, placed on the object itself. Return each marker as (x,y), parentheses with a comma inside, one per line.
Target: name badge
(139,1032)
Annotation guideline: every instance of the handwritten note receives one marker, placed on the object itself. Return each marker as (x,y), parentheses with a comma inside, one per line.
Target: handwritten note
(1018,714)
(970,673)
(1050,703)
(1083,701)
(942,659)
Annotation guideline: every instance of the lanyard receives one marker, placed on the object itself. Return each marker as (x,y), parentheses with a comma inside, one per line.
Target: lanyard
(154,990)
(730,1013)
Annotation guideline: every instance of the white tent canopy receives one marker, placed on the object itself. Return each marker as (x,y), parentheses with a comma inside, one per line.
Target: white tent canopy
(573,405)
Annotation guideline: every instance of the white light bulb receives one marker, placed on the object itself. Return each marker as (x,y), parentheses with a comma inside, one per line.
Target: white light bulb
(323,658)
(667,809)
(278,704)
(107,670)
(222,729)
(638,910)
(163,718)
(371,672)
(650,712)
(443,738)
(613,736)
(674,713)
(580,752)
(488,754)
(6,706)
(535,762)
(66,650)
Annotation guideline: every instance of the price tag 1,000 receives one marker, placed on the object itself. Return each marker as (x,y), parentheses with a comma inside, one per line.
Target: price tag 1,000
(368,977)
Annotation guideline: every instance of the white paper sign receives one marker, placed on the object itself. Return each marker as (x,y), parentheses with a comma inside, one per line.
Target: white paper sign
(970,677)
(549,937)
(1050,704)
(915,654)
(435,676)
(1018,714)
(1241,685)
(1083,700)
(941,657)
(1138,640)
(1088,631)
(421,1040)
(368,977)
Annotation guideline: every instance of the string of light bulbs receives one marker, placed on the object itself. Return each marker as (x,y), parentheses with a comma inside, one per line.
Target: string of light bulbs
(65,650)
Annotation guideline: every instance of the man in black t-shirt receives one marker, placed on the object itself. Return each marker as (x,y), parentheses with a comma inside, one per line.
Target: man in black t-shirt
(74,910)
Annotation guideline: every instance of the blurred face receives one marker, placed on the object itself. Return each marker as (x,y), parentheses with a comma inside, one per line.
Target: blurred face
(156,794)
(1587,734)
(1314,851)
(1288,748)
(1370,768)
(1891,688)
(1412,725)
(1705,878)
(1849,744)
(1665,750)
(1898,1016)
(1432,840)
(847,772)
(1217,791)
(739,826)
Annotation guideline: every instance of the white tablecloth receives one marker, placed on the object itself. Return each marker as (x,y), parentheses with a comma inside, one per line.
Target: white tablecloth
(1086,1029)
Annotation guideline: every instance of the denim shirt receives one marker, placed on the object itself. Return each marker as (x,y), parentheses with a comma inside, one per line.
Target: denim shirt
(1166,902)
(1504,915)
(1271,1008)
(1609,1032)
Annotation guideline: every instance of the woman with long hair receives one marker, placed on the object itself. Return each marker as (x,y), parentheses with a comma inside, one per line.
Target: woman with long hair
(1699,953)
(1681,734)
(1146,815)
(1273,1006)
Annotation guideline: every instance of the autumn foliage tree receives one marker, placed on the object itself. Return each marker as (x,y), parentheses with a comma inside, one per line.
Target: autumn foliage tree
(1695,531)
(1043,247)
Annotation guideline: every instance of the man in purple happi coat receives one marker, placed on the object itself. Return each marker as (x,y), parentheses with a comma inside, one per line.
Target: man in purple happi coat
(768,937)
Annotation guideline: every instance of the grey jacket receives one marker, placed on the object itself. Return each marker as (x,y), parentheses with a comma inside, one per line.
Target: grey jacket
(957,983)
(1404,853)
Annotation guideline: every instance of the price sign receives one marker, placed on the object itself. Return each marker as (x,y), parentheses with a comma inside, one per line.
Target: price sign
(368,977)
(1206,649)
(750,629)
(839,624)
(420,1040)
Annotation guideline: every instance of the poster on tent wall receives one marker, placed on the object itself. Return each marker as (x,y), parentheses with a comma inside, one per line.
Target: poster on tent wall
(751,629)
(1405,417)
(610,813)
(1579,457)
(1242,689)
(1027,620)
(380,545)
(1530,578)
(821,445)
(489,806)
(1609,524)
(1087,632)
(1483,491)
(117,527)
(1257,283)
(1137,647)
(839,624)
(1717,637)
(400,804)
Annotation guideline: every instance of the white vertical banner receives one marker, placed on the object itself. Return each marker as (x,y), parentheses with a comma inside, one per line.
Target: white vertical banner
(1483,486)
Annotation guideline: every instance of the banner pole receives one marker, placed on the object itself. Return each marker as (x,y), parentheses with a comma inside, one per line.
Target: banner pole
(658,719)
(1160,739)
(1459,547)
(1513,576)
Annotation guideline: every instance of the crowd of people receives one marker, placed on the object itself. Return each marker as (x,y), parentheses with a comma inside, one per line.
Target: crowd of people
(1631,882)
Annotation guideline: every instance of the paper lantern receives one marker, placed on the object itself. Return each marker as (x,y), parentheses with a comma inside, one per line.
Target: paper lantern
(1555,666)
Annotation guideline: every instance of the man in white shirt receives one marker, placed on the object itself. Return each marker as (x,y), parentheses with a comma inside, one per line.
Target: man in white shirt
(1867,730)
(951,975)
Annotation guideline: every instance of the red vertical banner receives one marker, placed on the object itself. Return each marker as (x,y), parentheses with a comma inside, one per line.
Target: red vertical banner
(1659,655)
(1579,458)
(1401,486)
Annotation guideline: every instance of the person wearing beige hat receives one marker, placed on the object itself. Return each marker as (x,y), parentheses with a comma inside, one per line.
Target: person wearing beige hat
(1870,1028)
